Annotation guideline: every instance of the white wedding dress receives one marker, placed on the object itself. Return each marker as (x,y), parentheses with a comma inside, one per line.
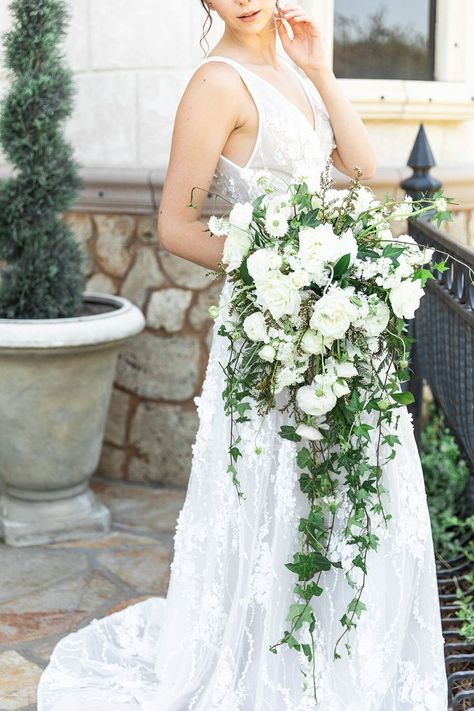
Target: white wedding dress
(206,646)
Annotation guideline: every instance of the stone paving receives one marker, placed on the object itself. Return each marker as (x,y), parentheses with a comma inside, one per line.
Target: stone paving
(50,590)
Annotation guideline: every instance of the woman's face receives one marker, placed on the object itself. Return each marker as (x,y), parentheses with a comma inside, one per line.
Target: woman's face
(249,16)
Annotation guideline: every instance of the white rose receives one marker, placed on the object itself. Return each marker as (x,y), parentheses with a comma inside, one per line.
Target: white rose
(277,294)
(333,314)
(236,246)
(312,342)
(317,245)
(308,432)
(378,318)
(255,327)
(267,353)
(405,298)
(261,261)
(317,398)
(241,215)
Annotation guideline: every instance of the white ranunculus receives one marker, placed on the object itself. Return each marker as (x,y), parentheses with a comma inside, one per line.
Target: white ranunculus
(236,246)
(241,215)
(267,353)
(255,327)
(378,318)
(261,261)
(347,244)
(312,342)
(276,293)
(308,432)
(405,298)
(333,314)
(317,398)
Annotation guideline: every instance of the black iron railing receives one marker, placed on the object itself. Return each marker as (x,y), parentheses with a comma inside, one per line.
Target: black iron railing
(443,357)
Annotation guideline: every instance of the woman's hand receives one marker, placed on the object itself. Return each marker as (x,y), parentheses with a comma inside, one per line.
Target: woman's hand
(306,49)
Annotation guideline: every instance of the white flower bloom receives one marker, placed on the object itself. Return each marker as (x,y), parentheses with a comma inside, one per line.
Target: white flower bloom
(312,342)
(255,327)
(286,352)
(401,211)
(308,432)
(218,226)
(333,313)
(441,205)
(276,225)
(267,353)
(300,278)
(261,261)
(342,368)
(317,398)
(236,246)
(276,293)
(241,215)
(346,244)
(364,201)
(405,298)
(340,388)
(316,202)
(317,246)
(280,205)
(288,376)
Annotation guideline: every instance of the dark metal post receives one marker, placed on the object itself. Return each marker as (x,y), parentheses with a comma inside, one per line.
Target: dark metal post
(419,185)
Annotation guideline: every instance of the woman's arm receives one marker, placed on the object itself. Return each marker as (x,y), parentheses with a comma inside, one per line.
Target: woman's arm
(354,146)
(207,113)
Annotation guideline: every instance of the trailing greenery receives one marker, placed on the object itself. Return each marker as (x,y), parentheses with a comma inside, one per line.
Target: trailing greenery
(446,475)
(42,273)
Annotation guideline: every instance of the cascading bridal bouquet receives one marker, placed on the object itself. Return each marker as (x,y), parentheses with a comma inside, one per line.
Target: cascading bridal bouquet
(321,289)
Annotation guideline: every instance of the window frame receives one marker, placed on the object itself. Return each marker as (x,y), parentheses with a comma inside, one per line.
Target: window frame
(449,97)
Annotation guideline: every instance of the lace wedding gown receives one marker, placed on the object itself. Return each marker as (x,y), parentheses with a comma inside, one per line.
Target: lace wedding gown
(206,646)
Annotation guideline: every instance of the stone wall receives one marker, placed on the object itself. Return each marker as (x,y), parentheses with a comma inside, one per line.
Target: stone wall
(152,419)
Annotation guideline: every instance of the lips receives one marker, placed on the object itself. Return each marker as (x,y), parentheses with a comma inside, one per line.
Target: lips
(249,15)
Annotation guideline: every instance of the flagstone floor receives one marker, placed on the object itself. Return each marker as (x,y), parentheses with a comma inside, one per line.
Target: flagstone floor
(47,591)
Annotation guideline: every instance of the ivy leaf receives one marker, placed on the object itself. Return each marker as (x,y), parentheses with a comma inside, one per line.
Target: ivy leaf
(356,606)
(244,273)
(289,432)
(341,266)
(404,398)
(303,458)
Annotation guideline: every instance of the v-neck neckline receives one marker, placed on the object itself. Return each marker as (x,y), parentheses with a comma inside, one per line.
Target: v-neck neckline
(277,91)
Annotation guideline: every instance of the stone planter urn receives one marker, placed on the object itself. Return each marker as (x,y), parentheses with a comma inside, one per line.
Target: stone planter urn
(56,378)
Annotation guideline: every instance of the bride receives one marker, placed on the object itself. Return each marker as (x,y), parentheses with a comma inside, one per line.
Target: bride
(206,646)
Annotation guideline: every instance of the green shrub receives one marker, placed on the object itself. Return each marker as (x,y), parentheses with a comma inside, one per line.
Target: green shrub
(42,262)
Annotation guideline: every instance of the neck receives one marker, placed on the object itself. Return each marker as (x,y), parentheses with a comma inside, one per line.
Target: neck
(252,49)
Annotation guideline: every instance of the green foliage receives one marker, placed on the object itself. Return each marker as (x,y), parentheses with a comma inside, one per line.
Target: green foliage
(445,475)
(43,274)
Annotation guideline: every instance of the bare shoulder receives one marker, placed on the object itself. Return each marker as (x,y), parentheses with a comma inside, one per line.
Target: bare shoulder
(215,82)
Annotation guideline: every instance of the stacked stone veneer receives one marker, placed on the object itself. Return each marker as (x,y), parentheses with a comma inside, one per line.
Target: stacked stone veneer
(152,420)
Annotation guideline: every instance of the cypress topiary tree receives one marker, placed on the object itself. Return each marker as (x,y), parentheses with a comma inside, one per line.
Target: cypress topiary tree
(42,273)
